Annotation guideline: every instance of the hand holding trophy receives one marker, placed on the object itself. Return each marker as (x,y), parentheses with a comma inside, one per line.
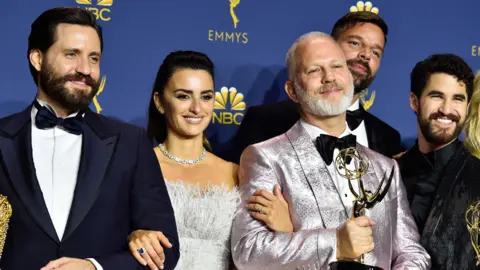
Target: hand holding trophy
(364,199)
(472,217)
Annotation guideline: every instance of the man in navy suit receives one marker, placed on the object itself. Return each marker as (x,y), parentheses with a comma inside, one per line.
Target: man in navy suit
(79,183)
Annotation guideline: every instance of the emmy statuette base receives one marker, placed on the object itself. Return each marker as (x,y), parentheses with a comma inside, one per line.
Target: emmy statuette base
(351,265)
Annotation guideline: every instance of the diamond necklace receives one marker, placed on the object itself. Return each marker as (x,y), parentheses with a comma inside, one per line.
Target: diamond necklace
(183,161)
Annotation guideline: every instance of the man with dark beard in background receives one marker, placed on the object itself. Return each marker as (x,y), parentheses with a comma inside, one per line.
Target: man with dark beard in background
(440,175)
(362,37)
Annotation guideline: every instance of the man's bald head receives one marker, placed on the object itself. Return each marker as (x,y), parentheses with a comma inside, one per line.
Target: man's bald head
(298,47)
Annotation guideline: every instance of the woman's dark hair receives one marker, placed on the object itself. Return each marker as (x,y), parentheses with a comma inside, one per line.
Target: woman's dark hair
(43,32)
(157,123)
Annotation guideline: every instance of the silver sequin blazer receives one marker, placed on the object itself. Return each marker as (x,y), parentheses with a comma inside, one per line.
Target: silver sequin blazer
(292,161)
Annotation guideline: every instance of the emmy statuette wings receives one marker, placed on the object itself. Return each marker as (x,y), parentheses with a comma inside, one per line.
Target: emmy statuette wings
(364,199)
(472,218)
(5,214)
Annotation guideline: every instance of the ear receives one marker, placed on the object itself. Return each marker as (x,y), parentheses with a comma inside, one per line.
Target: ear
(158,103)
(414,102)
(36,58)
(290,90)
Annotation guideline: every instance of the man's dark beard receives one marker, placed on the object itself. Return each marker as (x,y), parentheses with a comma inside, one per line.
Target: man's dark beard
(441,137)
(54,86)
(360,81)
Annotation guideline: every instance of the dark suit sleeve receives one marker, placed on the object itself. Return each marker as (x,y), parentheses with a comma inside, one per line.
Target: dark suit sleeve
(245,135)
(397,143)
(151,209)
(121,260)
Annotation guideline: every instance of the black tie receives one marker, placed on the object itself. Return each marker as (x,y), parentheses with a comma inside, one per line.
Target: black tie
(354,118)
(326,144)
(46,119)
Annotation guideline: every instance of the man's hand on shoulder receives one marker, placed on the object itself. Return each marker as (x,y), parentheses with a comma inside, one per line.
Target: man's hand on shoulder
(66,263)
(399,155)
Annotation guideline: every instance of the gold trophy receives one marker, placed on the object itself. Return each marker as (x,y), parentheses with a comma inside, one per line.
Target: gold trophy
(5,214)
(364,199)
(472,217)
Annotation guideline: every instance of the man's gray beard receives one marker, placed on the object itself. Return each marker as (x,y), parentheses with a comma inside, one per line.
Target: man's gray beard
(323,107)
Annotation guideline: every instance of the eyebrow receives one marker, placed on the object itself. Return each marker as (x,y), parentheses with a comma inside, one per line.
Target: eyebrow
(436,92)
(361,38)
(191,92)
(337,62)
(78,51)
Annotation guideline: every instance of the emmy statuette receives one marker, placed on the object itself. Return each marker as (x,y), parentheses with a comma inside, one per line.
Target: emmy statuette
(364,199)
(472,218)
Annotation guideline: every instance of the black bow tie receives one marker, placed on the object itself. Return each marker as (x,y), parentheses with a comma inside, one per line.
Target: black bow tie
(326,144)
(46,119)
(354,118)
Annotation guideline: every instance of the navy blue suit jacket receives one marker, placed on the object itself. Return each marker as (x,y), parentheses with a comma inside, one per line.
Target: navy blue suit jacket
(120,188)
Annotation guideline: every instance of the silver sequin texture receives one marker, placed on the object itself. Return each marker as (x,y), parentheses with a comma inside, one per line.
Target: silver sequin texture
(292,161)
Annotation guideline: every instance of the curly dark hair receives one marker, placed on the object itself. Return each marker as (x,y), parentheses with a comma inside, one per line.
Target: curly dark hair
(441,63)
(351,19)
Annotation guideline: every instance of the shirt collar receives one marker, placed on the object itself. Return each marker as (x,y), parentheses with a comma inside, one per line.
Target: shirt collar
(355,105)
(441,156)
(315,131)
(50,108)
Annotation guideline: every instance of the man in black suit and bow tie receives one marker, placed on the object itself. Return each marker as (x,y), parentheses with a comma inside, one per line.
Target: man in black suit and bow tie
(79,183)
(362,37)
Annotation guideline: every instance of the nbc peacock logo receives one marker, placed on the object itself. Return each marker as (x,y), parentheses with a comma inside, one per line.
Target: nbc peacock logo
(100,10)
(229,106)
(361,6)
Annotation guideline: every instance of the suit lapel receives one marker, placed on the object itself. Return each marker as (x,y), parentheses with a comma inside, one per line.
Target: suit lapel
(321,183)
(97,149)
(373,142)
(17,158)
(450,178)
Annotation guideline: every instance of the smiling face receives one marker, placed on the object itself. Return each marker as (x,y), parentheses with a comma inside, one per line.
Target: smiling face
(363,45)
(323,84)
(188,102)
(69,71)
(441,109)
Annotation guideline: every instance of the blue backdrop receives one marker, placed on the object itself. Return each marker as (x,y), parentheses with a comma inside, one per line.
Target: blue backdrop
(249,53)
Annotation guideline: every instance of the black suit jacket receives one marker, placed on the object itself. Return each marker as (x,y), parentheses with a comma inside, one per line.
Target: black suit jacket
(119,189)
(264,122)
(445,236)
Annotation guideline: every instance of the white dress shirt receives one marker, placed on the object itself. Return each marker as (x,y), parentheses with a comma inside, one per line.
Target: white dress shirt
(360,131)
(341,183)
(56,157)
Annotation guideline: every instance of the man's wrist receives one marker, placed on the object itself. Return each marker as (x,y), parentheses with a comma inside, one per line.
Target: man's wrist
(338,254)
